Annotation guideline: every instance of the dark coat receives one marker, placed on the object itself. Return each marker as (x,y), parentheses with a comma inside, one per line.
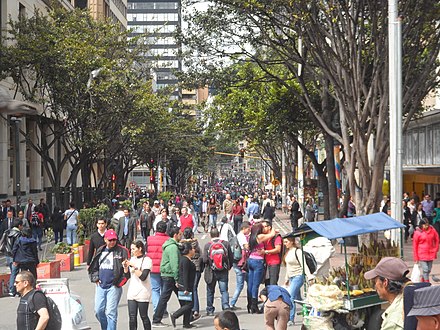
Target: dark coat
(25,251)
(120,254)
(96,241)
(131,228)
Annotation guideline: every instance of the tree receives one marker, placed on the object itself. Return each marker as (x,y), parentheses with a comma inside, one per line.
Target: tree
(342,53)
(50,58)
(268,116)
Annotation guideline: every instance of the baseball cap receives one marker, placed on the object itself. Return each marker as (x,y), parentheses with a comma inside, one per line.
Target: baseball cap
(389,267)
(156,202)
(426,301)
(110,234)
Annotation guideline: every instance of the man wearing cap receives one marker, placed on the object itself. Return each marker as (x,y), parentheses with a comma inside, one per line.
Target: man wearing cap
(427,308)
(109,271)
(389,277)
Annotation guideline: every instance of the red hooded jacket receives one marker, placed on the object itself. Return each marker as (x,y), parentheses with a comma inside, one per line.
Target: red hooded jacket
(154,249)
(425,244)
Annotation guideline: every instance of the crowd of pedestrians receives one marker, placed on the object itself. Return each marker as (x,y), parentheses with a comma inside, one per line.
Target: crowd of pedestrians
(156,251)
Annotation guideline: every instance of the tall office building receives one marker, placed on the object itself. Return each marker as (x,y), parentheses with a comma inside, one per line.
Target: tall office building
(116,10)
(160,19)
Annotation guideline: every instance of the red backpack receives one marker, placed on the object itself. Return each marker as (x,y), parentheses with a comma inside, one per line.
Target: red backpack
(218,256)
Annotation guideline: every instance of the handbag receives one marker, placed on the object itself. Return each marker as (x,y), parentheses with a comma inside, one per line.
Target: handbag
(185,297)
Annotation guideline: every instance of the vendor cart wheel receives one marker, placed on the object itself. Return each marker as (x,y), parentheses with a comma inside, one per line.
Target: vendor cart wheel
(375,320)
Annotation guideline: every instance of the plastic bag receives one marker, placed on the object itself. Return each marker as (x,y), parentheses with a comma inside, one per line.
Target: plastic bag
(411,229)
(415,274)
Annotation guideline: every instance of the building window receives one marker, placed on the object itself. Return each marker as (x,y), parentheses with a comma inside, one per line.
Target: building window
(21,11)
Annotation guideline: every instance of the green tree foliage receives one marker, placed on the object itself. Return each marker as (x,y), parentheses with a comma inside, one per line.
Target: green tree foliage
(342,54)
(93,84)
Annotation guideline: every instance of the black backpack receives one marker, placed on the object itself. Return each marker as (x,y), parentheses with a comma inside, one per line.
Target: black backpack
(55,319)
(310,261)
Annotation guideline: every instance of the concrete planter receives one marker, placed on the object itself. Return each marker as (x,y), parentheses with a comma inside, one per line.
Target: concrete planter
(49,269)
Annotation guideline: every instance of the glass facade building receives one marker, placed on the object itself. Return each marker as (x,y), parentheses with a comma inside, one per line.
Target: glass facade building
(160,19)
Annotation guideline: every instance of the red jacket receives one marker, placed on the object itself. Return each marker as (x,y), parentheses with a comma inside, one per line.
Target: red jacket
(154,249)
(186,222)
(425,244)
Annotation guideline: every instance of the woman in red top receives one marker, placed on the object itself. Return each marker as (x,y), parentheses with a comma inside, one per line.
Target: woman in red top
(237,214)
(186,220)
(425,247)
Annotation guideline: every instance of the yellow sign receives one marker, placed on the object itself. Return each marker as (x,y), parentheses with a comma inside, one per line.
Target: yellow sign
(276,182)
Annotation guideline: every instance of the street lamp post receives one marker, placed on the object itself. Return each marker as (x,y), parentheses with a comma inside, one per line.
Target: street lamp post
(17,121)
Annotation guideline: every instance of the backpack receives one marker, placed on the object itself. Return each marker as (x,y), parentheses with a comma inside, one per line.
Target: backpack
(35,220)
(4,241)
(310,261)
(219,256)
(272,241)
(235,248)
(55,319)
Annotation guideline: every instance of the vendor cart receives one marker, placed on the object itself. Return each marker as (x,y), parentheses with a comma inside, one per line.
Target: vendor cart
(364,306)
(69,304)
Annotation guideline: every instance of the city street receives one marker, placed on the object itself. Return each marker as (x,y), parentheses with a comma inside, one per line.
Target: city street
(80,284)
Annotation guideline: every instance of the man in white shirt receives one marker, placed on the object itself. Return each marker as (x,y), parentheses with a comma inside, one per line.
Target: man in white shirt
(243,240)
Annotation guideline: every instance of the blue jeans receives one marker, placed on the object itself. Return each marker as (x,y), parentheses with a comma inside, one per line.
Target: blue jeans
(37,234)
(210,290)
(169,286)
(156,289)
(213,220)
(14,272)
(196,307)
(240,277)
(295,284)
(425,267)
(196,221)
(106,306)
(255,276)
(71,234)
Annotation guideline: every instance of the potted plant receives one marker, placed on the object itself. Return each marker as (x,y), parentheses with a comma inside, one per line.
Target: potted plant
(48,268)
(63,253)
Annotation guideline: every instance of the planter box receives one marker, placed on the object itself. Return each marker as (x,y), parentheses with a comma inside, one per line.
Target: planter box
(83,253)
(66,261)
(47,270)
(4,284)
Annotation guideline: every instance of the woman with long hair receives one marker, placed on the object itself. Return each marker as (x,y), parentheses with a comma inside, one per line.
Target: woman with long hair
(256,263)
(418,215)
(188,237)
(212,211)
(425,247)
(237,214)
(139,288)
(293,260)
(187,271)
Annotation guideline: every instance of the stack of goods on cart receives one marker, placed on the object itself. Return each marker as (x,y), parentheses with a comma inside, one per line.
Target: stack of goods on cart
(324,299)
(358,264)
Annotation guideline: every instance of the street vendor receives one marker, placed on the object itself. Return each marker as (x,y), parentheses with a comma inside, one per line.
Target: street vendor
(389,277)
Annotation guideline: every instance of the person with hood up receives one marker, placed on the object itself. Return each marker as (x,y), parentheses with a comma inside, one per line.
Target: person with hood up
(425,247)
(25,253)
